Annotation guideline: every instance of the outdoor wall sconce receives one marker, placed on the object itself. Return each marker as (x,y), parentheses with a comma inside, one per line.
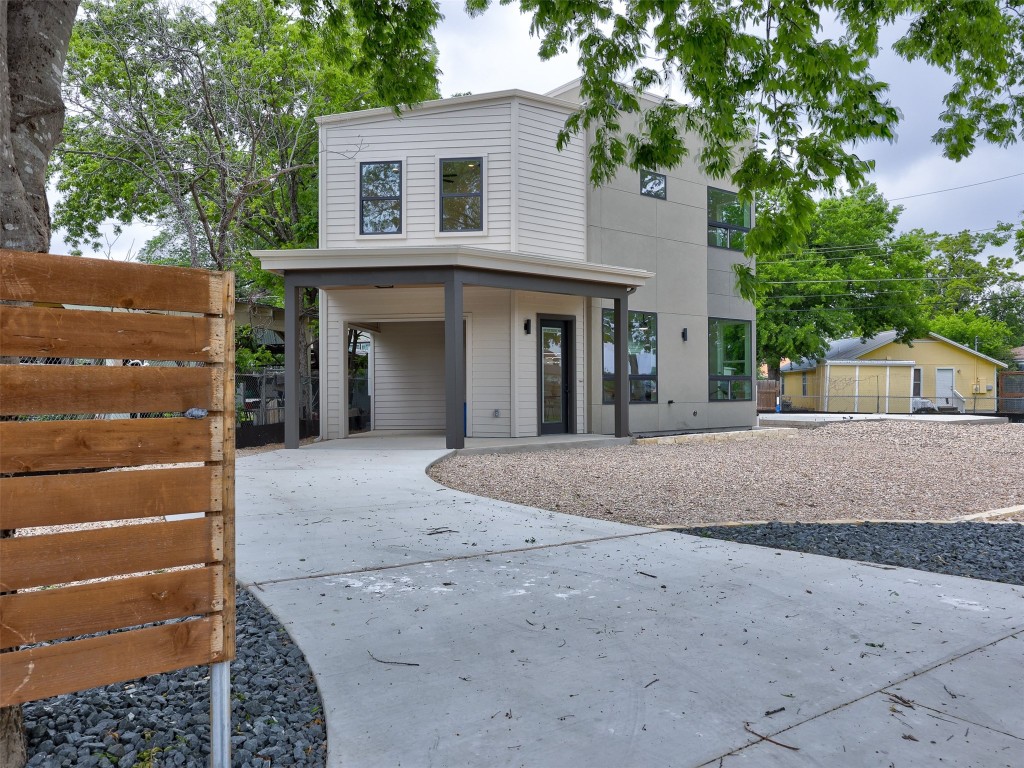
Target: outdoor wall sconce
(526,327)
(685,334)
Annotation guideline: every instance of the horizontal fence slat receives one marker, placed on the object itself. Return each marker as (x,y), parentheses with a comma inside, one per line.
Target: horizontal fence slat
(47,278)
(36,617)
(96,443)
(31,390)
(41,500)
(47,332)
(59,558)
(36,673)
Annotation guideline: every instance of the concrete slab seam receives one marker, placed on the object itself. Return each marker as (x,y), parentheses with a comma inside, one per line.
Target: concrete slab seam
(451,559)
(1004,512)
(884,689)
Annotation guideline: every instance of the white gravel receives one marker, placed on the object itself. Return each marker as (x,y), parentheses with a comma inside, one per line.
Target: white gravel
(891,470)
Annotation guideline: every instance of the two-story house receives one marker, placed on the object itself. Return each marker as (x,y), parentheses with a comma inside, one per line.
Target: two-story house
(504,294)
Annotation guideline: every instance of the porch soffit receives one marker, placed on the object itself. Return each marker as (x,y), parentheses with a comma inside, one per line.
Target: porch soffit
(294,262)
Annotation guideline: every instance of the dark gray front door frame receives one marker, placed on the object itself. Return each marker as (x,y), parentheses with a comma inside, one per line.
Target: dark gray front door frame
(454,279)
(568,370)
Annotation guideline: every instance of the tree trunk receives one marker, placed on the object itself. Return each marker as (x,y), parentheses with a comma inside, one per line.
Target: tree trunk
(34,39)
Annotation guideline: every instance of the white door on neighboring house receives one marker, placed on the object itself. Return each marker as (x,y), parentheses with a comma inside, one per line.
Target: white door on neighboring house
(944,386)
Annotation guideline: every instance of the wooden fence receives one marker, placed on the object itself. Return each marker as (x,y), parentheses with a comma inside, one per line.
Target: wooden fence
(767,395)
(90,596)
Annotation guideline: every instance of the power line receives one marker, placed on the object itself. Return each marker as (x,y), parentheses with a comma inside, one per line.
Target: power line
(875,246)
(852,280)
(953,189)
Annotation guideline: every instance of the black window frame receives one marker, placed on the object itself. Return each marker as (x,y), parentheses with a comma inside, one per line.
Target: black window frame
(664,186)
(373,198)
(442,196)
(716,381)
(608,398)
(730,230)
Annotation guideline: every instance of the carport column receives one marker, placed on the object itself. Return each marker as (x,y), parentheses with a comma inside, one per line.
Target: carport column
(621,367)
(454,362)
(292,358)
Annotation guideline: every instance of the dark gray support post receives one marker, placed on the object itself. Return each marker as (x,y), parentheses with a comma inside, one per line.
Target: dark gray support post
(621,367)
(292,361)
(454,363)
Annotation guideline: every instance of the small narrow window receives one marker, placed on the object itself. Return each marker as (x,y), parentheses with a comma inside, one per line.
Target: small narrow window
(729,360)
(728,220)
(653,185)
(642,355)
(462,195)
(803,384)
(380,198)
(916,392)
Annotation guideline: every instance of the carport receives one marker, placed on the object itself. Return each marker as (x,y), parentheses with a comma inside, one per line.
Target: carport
(453,268)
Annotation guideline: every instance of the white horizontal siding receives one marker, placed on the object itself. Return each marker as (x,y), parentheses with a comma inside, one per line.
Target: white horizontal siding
(488,367)
(419,141)
(551,186)
(408,376)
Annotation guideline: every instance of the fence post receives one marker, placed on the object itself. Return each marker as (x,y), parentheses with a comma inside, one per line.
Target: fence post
(220,715)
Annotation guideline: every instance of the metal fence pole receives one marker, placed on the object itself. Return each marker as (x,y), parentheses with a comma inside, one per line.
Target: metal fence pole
(220,715)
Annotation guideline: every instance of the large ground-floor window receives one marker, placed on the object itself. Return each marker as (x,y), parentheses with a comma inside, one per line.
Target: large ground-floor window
(642,343)
(729,360)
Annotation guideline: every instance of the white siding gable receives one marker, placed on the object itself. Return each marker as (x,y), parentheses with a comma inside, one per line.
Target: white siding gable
(534,195)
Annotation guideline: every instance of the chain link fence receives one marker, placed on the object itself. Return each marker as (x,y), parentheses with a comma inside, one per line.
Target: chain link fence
(260,411)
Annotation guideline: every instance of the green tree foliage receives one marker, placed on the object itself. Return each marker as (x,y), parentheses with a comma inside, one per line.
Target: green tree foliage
(965,274)
(778,95)
(972,329)
(201,120)
(854,276)
(857,277)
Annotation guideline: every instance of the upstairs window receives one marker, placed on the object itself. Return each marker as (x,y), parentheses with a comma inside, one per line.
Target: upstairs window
(729,354)
(462,195)
(642,354)
(653,185)
(380,198)
(728,220)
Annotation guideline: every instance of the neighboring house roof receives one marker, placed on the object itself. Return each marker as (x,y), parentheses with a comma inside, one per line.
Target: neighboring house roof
(853,348)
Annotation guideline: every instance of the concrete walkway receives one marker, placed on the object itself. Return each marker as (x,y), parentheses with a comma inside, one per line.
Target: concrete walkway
(449,630)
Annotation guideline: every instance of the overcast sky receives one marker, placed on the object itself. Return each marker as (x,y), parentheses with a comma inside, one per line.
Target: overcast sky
(495,52)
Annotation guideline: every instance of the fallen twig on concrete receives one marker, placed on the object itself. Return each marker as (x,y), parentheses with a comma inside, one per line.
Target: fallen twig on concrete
(746,727)
(399,663)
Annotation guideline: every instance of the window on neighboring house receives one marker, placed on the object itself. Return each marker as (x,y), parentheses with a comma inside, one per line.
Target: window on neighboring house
(729,356)
(380,198)
(653,185)
(803,384)
(916,390)
(462,195)
(642,352)
(728,220)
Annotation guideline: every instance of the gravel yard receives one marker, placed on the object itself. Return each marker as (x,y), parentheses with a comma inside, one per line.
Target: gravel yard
(884,470)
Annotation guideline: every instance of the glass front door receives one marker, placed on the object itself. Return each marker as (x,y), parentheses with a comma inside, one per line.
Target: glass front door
(556,391)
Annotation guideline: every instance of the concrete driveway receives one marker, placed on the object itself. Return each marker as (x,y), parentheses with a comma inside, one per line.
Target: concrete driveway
(449,630)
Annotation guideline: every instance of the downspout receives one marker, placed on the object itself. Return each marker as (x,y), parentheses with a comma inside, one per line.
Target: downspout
(827,384)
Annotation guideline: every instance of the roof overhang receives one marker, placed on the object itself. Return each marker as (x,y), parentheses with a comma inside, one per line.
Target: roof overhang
(449,257)
(452,103)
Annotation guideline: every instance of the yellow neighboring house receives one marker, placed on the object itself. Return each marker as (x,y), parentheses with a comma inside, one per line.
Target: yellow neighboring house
(931,374)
